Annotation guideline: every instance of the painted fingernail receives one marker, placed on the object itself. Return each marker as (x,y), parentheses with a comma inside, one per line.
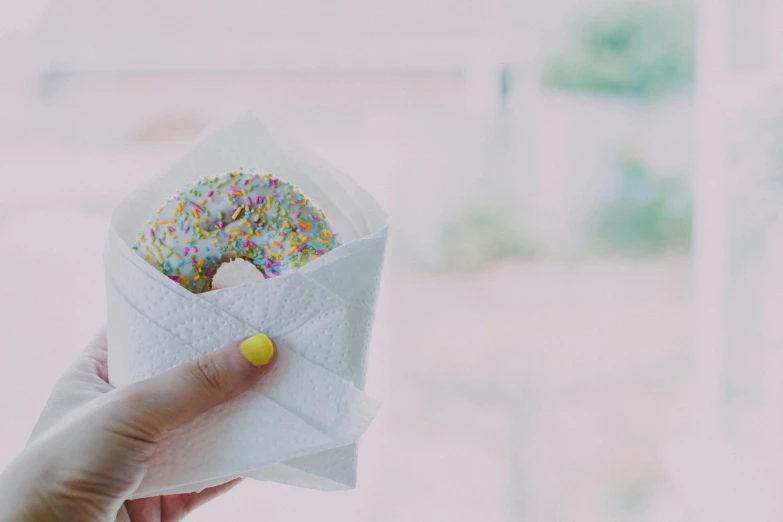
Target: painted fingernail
(258,349)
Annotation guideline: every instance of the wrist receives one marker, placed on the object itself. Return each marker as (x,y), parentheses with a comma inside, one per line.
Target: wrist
(21,496)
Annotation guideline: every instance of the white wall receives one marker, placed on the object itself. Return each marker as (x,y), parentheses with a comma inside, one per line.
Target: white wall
(183,34)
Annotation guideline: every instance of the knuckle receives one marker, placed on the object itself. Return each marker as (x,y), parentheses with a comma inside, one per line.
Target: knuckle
(211,374)
(133,415)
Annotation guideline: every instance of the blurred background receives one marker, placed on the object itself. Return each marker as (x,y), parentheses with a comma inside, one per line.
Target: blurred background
(578,319)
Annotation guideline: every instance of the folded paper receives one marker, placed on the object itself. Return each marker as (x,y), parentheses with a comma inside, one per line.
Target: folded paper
(300,425)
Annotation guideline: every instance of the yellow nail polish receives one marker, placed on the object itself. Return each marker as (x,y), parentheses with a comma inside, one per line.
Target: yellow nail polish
(257,349)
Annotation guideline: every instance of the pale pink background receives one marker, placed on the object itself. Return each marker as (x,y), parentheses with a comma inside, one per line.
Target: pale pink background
(553,389)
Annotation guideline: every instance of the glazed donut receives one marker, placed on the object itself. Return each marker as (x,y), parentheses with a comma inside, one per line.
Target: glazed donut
(239,215)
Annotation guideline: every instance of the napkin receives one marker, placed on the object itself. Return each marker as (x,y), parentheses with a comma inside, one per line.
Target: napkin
(300,425)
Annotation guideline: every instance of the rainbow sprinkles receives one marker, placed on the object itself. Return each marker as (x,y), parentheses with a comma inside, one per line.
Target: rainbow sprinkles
(246,215)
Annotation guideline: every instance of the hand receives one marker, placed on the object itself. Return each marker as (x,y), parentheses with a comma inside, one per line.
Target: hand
(91,446)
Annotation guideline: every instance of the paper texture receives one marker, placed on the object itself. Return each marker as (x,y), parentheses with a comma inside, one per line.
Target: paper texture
(300,425)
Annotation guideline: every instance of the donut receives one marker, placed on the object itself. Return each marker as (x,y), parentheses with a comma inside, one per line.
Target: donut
(256,217)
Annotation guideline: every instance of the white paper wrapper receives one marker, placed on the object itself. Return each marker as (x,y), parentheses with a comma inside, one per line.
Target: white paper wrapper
(301,424)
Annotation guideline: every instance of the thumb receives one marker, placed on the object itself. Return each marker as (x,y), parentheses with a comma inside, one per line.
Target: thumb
(172,399)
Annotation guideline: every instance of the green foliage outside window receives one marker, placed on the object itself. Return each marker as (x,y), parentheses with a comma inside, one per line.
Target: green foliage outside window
(640,51)
(477,236)
(645,213)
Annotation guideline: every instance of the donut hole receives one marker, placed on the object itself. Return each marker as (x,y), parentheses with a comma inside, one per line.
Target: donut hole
(234,273)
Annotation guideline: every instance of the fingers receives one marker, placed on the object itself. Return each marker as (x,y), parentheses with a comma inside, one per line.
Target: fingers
(93,359)
(172,399)
(170,508)
(146,509)
(195,500)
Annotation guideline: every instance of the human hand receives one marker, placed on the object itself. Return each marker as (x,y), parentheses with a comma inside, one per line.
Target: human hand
(90,448)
